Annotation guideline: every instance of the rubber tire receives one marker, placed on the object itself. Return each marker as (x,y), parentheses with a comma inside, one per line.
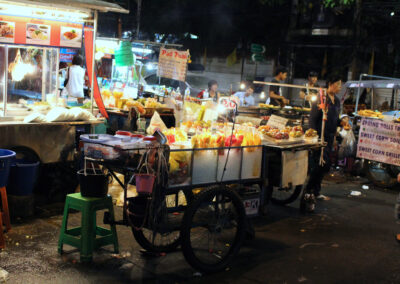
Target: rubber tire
(296,192)
(186,227)
(149,246)
(388,183)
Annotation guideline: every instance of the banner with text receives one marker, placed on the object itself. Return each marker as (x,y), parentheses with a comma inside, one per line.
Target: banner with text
(379,141)
(172,64)
(23,30)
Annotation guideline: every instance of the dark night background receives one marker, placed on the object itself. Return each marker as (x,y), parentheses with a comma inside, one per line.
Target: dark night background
(355,29)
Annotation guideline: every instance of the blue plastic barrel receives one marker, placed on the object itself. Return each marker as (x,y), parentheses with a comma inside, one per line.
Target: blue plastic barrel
(6,159)
(23,177)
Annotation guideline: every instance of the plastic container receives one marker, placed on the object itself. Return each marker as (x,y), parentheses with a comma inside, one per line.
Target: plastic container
(6,159)
(94,183)
(144,183)
(93,149)
(23,177)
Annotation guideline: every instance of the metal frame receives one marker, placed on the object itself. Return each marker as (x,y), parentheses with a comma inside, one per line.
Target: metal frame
(377,77)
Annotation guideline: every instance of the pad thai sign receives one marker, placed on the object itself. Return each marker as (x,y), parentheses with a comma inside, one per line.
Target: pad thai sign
(172,64)
(23,30)
(379,141)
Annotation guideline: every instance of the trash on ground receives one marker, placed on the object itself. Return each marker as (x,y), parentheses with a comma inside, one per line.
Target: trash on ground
(3,275)
(355,193)
(302,279)
(365,187)
(311,244)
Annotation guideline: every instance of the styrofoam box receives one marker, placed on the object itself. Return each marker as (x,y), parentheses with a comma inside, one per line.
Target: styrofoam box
(251,165)
(233,166)
(204,166)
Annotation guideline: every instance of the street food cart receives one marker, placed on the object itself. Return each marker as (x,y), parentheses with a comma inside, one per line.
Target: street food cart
(377,100)
(31,35)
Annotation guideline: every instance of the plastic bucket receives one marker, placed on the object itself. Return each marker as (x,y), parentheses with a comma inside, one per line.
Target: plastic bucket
(6,159)
(144,183)
(137,207)
(23,177)
(94,183)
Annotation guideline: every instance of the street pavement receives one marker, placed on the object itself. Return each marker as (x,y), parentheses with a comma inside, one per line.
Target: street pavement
(347,240)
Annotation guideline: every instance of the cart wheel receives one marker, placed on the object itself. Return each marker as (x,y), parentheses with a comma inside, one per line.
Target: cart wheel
(283,196)
(213,229)
(380,174)
(167,240)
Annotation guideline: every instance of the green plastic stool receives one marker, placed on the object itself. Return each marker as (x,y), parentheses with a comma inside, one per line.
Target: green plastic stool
(88,237)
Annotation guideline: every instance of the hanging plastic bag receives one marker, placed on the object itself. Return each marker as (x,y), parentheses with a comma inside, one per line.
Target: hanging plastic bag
(156,123)
(348,145)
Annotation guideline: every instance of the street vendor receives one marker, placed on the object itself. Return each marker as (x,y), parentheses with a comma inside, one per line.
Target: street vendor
(246,98)
(318,171)
(211,92)
(276,97)
(306,94)
(76,79)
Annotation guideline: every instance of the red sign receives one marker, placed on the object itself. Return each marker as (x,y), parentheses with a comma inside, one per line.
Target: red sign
(22,30)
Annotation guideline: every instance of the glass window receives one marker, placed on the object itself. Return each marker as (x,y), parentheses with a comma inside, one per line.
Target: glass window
(25,67)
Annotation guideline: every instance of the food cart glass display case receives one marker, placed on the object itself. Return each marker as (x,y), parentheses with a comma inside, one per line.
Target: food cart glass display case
(30,73)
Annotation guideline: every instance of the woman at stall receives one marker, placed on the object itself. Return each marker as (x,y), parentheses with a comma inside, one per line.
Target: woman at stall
(76,79)
(211,92)
(318,171)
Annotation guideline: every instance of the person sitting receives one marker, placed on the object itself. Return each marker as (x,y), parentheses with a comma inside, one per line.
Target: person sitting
(246,98)
(211,92)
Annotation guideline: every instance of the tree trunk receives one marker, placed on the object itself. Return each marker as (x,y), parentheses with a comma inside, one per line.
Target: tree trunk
(355,64)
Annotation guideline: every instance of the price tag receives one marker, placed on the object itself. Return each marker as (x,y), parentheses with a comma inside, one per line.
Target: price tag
(277,122)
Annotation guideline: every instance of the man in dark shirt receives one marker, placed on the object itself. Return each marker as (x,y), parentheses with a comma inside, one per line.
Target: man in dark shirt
(317,171)
(275,92)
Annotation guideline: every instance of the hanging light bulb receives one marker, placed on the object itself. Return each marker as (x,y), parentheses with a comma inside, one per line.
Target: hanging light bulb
(17,69)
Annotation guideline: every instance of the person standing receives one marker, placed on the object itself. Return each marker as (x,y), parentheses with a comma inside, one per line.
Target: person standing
(275,92)
(306,94)
(318,171)
(211,92)
(76,79)
(246,98)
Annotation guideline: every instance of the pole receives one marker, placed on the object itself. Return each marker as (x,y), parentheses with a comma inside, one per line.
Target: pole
(5,81)
(139,8)
(93,60)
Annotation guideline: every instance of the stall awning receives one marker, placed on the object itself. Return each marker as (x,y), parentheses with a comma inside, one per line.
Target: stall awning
(99,5)
(376,84)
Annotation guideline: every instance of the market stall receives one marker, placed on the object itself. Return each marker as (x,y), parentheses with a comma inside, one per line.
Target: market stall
(374,102)
(33,117)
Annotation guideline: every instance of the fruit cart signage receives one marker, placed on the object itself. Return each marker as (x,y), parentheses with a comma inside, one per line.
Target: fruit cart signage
(277,122)
(229,102)
(172,64)
(24,30)
(379,141)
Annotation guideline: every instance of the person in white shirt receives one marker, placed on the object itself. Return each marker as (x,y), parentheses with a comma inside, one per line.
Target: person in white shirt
(75,76)
(246,98)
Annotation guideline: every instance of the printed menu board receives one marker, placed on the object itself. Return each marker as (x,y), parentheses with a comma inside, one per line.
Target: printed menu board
(23,30)
(172,64)
(379,141)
